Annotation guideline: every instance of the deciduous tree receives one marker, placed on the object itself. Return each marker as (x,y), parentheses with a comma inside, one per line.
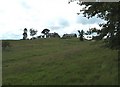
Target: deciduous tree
(81,34)
(109,11)
(33,32)
(25,34)
(45,32)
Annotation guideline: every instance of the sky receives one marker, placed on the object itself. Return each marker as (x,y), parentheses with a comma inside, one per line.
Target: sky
(56,15)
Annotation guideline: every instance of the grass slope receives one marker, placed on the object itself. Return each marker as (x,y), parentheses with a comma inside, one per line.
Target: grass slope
(59,62)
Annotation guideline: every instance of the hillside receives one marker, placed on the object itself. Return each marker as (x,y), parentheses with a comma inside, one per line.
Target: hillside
(59,62)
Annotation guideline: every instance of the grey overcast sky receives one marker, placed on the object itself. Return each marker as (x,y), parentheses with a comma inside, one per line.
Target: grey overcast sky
(56,15)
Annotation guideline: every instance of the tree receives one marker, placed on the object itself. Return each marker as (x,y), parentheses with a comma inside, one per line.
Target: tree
(81,34)
(89,32)
(45,32)
(75,35)
(94,30)
(25,34)
(33,32)
(110,13)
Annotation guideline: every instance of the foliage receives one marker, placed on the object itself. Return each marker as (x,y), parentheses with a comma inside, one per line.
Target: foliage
(89,32)
(75,35)
(81,34)
(109,11)
(33,32)
(25,34)
(45,31)
(92,30)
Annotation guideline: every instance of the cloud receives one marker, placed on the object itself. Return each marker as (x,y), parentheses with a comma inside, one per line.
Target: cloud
(25,5)
(63,22)
(58,15)
(84,20)
(11,36)
(58,23)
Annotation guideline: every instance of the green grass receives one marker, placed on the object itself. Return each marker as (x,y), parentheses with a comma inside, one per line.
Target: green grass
(59,62)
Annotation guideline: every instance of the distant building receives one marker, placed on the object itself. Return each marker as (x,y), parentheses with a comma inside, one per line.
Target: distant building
(41,36)
(87,37)
(53,35)
(69,36)
(90,36)
(49,35)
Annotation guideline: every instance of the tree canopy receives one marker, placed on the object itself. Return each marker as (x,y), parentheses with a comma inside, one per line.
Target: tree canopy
(45,31)
(109,11)
(81,34)
(33,32)
(25,34)
(25,30)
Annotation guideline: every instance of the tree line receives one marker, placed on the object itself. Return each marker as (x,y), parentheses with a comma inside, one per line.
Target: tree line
(34,32)
(65,36)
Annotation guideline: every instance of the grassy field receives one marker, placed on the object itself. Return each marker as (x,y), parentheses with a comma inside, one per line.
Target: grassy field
(59,62)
